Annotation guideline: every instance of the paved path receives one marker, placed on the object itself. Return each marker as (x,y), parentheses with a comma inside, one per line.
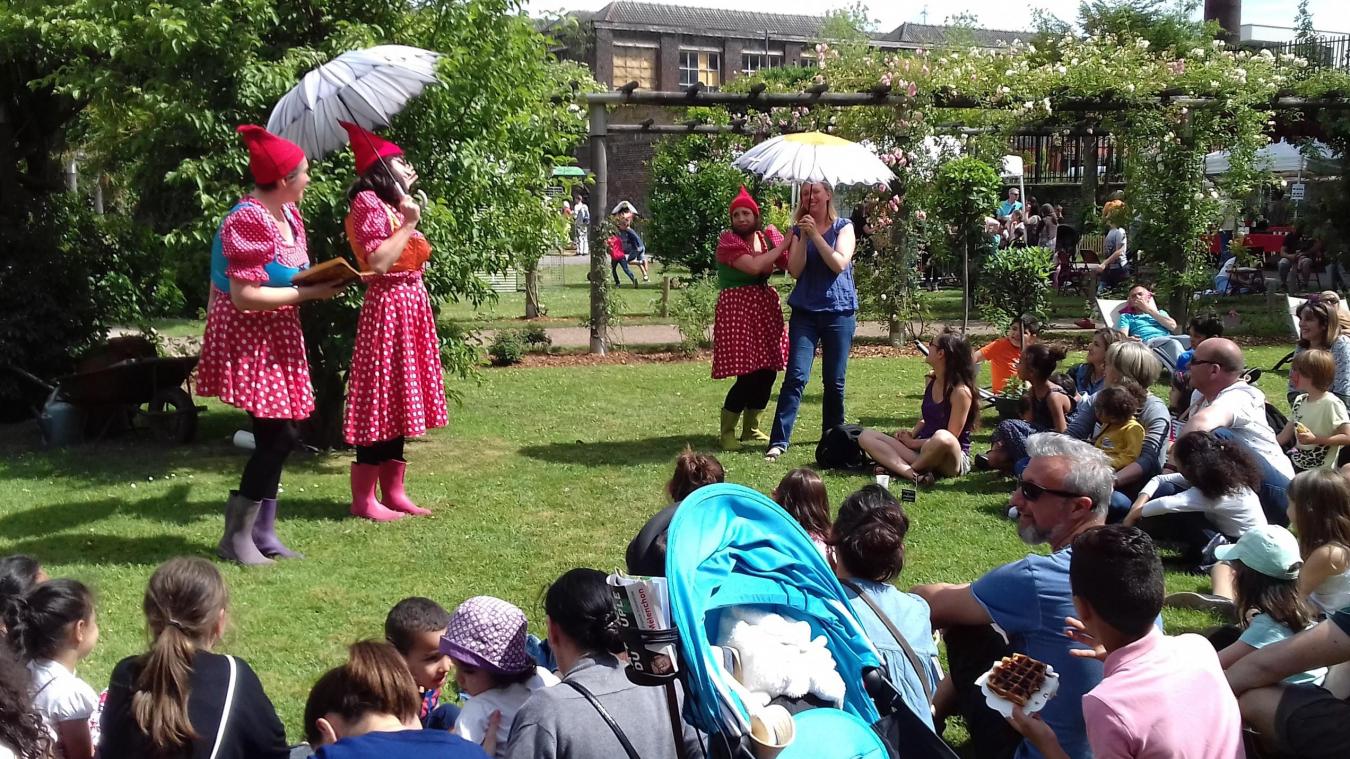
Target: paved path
(665,334)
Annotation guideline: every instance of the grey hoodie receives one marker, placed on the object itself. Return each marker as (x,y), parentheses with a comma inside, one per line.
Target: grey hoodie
(559,723)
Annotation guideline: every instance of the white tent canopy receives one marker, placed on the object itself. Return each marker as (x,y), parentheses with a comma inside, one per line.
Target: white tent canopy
(1278,157)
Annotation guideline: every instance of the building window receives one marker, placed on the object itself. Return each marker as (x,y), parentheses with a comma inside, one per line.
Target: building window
(635,64)
(755,60)
(700,66)
(807,60)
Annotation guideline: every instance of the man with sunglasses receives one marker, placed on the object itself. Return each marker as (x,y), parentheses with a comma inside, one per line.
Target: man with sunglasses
(1222,403)
(1064,491)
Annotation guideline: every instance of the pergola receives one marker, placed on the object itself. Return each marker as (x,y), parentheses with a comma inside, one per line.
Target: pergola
(757,98)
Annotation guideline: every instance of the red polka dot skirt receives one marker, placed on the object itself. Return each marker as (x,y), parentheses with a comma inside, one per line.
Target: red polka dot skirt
(748,332)
(396,388)
(255,360)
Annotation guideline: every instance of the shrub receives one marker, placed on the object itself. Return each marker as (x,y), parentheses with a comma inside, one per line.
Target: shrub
(536,336)
(693,307)
(1016,281)
(507,348)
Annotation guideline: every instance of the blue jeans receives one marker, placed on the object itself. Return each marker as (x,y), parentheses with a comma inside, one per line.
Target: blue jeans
(806,329)
(615,263)
(1274,492)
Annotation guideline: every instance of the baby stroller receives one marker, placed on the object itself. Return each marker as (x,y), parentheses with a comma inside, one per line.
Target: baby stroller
(729,546)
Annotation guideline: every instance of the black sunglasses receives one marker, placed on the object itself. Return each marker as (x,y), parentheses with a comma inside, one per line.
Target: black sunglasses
(1033,492)
(1201,362)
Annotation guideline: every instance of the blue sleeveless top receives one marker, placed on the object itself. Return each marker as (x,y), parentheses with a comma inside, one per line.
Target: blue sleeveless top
(278,275)
(819,288)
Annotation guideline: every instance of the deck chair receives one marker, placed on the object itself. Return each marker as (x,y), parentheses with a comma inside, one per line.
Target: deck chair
(1293,304)
(1109,311)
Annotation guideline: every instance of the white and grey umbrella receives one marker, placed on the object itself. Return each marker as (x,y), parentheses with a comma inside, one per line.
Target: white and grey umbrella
(366,87)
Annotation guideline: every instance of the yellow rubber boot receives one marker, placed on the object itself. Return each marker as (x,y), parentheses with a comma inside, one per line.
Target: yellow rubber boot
(728,439)
(751,431)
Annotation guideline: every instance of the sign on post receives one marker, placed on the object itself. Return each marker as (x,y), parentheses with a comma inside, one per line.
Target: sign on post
(1296,191)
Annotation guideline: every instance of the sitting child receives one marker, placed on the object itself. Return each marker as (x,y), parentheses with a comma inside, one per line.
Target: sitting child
(1122,435)
(1318,422)
(54,627)
(1161,696)
(1261,571)
(1200,329)
(1005,353)
(1319,513)
(802,494)
(1212,493)
(414,627)
(1045,408)
(486,640)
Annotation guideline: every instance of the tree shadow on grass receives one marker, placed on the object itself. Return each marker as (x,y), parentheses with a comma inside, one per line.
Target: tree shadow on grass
(600,453)
(96,548)
(173,507)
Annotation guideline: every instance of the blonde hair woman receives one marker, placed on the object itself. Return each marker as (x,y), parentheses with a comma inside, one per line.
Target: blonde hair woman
(824,304)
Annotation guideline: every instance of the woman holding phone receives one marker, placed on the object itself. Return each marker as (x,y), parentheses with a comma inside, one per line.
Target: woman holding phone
(253,352)
(824,305)
(395,388)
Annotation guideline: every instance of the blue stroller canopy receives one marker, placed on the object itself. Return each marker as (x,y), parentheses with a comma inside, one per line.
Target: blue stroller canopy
(731,546)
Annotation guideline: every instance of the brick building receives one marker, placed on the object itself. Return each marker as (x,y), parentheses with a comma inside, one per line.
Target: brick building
(670,47)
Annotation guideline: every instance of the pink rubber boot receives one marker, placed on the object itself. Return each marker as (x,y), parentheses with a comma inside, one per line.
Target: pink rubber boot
(391,485)
(364,477)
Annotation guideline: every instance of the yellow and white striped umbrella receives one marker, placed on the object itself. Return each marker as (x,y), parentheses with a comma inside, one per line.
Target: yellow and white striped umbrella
(814,157)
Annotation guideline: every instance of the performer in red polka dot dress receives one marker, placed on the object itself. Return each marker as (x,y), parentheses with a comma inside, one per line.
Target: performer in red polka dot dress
(395,389)
(749,339)
(253,353)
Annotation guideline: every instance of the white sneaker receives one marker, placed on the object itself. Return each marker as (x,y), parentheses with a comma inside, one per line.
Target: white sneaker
(773,453)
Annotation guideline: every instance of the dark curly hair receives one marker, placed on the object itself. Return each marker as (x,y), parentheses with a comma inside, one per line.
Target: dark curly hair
(869,534)
(1214,466)
(21,728)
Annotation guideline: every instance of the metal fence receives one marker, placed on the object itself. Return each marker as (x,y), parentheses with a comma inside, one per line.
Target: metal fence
(1325,52)
(1058,159)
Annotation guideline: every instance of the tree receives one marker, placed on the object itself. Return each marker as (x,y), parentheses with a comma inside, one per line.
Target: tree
(849,24)
(692,186)
(967,190)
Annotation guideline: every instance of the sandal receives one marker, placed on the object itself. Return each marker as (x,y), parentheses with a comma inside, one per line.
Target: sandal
(925,480)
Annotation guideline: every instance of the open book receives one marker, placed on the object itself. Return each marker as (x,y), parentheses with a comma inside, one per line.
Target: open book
(334,269)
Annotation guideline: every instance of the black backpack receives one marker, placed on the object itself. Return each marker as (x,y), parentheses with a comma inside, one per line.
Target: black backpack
(1275,418)
(838,448)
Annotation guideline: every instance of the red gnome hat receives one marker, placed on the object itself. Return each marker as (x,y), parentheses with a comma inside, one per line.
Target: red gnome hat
(368,147)
(743,200)
(270,157)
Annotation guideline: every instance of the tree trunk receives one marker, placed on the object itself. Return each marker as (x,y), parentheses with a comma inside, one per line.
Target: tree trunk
(532,291)
(896,332)
(965,287)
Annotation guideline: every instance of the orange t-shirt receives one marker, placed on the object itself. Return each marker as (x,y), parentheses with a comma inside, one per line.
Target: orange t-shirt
(1003,358)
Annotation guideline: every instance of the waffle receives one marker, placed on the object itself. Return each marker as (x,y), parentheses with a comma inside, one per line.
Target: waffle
(1017,678)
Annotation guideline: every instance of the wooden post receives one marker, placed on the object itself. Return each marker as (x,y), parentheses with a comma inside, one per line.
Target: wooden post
(599,212)
(665,295)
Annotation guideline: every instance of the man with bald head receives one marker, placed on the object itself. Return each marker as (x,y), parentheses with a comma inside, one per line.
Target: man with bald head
(1224,404)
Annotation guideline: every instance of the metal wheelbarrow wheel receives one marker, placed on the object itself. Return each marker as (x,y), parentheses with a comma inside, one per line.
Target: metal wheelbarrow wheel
(172,416)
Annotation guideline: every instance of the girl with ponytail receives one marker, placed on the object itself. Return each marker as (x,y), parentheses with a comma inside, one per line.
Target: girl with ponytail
(53,627)
(868,539)
(560,722)
(179,699)
(369,708)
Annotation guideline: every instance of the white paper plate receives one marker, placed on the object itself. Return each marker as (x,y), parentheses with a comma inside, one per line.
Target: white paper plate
(1034,704)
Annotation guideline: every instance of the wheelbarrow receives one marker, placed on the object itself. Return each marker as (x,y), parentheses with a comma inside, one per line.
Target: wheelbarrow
(139,393)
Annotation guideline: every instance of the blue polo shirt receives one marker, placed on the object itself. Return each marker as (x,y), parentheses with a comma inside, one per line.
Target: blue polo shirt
(1029,600)
(403,744)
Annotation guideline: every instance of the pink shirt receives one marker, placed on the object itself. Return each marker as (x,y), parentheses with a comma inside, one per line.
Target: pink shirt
(1163,697)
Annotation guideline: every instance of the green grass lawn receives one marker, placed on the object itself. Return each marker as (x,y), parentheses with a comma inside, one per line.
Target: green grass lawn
(540,470)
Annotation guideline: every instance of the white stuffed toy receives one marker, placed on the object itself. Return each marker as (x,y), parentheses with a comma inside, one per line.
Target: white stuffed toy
(778,656)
